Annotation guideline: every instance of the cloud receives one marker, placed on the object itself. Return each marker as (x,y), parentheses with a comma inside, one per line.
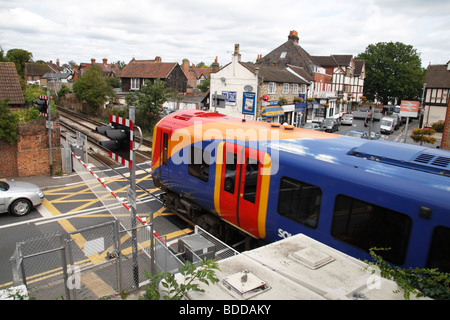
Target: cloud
(201,30)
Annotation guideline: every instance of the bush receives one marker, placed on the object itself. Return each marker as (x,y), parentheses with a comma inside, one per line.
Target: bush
(438,126)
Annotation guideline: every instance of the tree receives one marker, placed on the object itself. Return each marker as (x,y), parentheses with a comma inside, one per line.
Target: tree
(148,102)
(19,57)
(393,71)
(8,123)
(93,88)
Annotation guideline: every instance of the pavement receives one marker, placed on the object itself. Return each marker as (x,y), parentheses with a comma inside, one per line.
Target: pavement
(47,182)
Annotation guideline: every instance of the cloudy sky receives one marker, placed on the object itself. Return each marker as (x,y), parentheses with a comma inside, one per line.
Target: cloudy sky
(200,30)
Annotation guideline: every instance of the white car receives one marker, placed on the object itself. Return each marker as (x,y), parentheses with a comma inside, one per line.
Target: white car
(347,119)
(18,198)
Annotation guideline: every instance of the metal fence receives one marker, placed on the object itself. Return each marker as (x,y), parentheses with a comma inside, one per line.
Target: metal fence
(86,264)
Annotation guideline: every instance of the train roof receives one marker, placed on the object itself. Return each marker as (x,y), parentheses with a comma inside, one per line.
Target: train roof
(420,164)
(298,268)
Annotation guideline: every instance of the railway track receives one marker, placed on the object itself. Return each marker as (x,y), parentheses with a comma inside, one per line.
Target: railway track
(73,122)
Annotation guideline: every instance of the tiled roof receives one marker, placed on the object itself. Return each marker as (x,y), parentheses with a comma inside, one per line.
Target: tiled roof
(294,55)
(9,84)
(36,69)
(147,69)
(437,76)
(273,74)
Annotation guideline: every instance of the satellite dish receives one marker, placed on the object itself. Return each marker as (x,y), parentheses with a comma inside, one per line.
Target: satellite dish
(223,79)
(248,88)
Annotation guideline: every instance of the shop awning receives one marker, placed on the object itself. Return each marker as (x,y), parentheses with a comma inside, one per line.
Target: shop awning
(272,111)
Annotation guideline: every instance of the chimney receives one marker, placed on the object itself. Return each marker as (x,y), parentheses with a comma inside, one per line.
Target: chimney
(215,66)
(105,61)
(293,36)
(92,61)
(185,66)
(158,59)
(57,62)
(236,52)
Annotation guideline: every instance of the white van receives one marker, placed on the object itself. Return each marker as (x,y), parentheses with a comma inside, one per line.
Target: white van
(387,125)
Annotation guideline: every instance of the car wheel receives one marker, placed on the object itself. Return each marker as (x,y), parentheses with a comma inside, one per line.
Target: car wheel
(20,207)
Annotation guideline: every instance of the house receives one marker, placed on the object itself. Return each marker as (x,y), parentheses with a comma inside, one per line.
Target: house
(436,93)
(292,54)
(137,72)
(10,85)
(195,75)
(257,91)
(348,77)
(108,69)
(34,71)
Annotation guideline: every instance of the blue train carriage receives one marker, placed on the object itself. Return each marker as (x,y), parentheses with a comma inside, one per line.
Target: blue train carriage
(272,182)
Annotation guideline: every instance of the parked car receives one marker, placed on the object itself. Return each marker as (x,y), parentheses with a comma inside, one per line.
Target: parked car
(387,124)
(347,119)
(18,198)
(330,125)
(364,135)
(312,126)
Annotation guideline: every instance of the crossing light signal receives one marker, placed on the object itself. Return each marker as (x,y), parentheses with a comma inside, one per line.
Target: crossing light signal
(41,106)
(120,134)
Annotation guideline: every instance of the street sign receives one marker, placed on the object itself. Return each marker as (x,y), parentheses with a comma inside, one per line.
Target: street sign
(49,124)
(409,108)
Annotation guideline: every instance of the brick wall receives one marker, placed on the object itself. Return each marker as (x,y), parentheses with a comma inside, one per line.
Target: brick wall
(29,156)
(8,157)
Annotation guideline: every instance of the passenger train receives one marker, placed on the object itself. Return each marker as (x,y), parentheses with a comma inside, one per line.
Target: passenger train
(271,181)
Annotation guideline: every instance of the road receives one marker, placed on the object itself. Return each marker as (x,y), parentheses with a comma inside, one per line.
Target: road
(73,207)
(397,135)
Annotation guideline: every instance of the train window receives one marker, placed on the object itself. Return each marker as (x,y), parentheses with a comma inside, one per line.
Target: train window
(439,256)
(230,172)
(366,225)
(299,201)
(251,180)
(165,147)
(199,164)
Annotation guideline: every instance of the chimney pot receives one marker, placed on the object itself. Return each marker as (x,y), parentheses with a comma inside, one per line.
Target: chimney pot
(92,60)
(105,61)
(293,36)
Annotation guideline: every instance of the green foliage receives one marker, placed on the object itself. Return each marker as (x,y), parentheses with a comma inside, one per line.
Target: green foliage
(438,126)
(63,91)
(8,123)
(421,282)
(173,290)
(204,86)
(393,70)
(19,57)
(148,102)
(93,88)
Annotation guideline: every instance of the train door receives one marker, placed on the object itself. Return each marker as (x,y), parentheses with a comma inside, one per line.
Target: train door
(240,191)
(164,153)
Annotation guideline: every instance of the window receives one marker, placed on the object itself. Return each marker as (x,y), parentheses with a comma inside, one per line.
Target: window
(199,164)
(295,88)
(272,88)
(251,180)
(285,88)
(365,225)
(299,201)
(134,84)
(439,256)
(230,172)
(283,54)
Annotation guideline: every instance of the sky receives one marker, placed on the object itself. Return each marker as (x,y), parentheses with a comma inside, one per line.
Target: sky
(201,30)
